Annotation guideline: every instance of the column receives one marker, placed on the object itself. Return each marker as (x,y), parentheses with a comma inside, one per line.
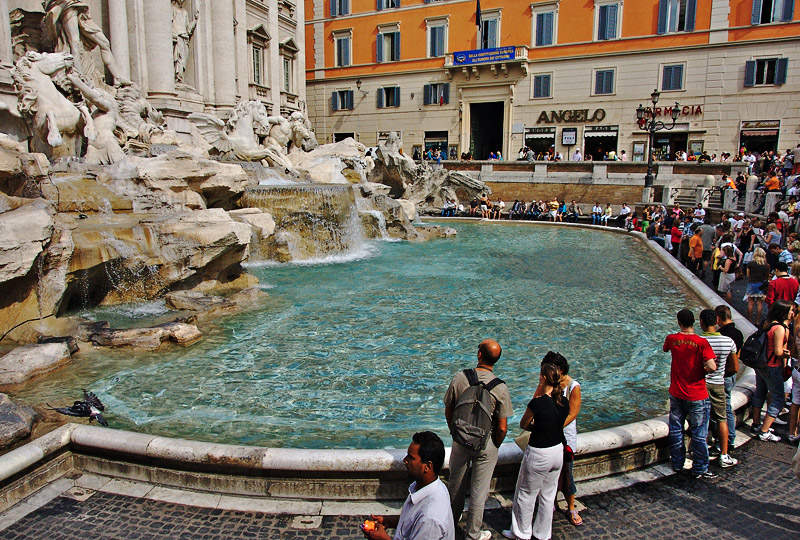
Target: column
(224,51)
(118,26)
(6,54)
(158,47)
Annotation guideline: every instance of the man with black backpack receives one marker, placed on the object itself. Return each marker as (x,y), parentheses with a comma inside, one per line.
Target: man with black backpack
(477,405)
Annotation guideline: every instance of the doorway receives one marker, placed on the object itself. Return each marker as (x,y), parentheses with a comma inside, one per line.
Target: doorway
(486,128)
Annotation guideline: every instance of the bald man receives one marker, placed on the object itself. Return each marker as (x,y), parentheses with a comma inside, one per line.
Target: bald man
(482,461)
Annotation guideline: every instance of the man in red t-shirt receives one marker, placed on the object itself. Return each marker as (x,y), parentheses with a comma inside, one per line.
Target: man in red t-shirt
(692,358)
(783,287)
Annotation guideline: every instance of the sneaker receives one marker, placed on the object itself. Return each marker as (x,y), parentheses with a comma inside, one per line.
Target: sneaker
(768,436)
(509,534)
(727,460)
(713,452)
(779,422)
(485,535)
(755,428)
(708,475)
(794,438)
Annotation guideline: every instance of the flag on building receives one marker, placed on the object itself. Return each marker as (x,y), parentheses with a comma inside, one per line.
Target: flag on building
(478,14)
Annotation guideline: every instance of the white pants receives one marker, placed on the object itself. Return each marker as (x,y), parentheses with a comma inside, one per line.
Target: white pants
(538,479)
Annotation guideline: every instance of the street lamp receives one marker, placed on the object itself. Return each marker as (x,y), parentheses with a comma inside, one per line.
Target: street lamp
(648,122)
(358,116)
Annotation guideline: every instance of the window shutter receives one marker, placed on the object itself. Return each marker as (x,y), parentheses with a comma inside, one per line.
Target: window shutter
(691,15)
(666,78)
(611,24)
(379,48)
(439,40)
(446,92)
(335,101)
(396,52)
(346,52)
(548,29)
(333,8)
(601,22)
(350,99)
(379,5)
(345,7)
(750,73)
(546,86)
(788,10)
(379,93)
(756,15)
(426,95)
(397,96)
(780,70)
(397,3)
(598,82)
(662,17)
(492,34)
(537,86)
(677,77)
(539,30)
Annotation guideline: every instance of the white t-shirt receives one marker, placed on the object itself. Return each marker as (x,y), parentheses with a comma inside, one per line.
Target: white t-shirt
(624,211)
(699,215)
(571,429)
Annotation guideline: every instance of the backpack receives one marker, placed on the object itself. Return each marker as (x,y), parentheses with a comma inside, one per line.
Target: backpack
(473,415)
(754,350)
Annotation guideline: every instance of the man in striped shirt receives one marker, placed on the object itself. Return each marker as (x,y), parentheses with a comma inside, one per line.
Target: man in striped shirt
(725,350)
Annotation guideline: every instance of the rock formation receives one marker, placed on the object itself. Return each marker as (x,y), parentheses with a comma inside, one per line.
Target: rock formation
(421,184)
(15,421)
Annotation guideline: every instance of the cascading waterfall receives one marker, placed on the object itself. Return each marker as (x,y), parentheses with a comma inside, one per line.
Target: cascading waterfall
(312,221)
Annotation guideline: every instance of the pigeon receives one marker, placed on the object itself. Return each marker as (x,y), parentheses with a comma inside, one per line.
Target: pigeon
(90,408)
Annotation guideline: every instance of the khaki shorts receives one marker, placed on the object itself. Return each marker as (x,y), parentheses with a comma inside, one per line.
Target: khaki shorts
(716,394)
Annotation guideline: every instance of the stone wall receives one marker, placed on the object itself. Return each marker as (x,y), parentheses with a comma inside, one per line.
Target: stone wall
(586,194)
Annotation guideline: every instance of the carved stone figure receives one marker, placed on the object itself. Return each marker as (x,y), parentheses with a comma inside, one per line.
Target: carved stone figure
(72,29)
(53,118)
(302,134)
(182,30)
(141,121)
(240,135)
(105,148)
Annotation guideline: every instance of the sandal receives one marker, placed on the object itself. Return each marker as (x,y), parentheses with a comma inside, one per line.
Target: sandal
(574,518)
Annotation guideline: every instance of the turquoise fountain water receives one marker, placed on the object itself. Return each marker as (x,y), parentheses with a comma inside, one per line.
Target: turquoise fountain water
(359,353)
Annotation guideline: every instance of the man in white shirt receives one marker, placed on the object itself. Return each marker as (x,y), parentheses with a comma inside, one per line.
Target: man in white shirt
(624,214)
(577,156)
(699,214)
(426,514)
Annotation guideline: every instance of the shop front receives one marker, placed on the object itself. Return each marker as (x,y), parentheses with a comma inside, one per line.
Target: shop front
(598,141)
(760,135)
(540,139)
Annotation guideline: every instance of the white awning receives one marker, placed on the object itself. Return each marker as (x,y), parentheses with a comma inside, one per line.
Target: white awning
(600,133)
(540,135)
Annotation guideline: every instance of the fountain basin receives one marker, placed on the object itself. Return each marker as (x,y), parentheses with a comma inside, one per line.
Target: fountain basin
(332,474)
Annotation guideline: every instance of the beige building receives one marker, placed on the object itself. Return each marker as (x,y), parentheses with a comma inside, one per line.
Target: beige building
(566,73)
(188,56)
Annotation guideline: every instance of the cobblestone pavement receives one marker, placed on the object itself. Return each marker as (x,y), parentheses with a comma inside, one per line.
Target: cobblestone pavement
(757,499)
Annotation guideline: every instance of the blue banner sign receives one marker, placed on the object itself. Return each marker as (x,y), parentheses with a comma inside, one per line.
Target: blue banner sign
(482,56)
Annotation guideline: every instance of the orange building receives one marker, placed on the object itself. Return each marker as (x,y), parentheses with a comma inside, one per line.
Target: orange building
(562,73)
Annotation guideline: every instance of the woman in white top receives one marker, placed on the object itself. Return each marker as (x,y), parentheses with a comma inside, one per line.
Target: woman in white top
(571,390)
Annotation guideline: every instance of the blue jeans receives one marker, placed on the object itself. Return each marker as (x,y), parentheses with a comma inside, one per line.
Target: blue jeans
(769,379)
(697,413)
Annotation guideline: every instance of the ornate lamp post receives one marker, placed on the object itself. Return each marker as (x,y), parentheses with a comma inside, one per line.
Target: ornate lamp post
(648,122)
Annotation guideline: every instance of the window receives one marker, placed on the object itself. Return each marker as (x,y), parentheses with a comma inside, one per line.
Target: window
(672,77)
(544,28)
(769,11)
(387,4)
(387,46)
(258,59)
(437,37)
(541,86)
(604,81)
(608,17)
(340,7)
(765,71)
(287,74)
(436,94)
(676,16)
(490,31)
(388,97)
(342,49)
(342,100)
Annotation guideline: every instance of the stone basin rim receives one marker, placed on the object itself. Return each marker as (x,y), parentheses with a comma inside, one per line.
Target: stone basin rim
(614,439)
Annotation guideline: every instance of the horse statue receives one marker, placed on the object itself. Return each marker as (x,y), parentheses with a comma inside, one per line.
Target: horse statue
(240,135)
(53,118)
(302,134)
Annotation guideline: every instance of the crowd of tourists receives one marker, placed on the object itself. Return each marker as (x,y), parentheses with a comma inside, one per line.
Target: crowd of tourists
(433,510)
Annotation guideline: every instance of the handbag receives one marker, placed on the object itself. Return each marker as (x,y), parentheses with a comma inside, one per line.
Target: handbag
(747,257)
